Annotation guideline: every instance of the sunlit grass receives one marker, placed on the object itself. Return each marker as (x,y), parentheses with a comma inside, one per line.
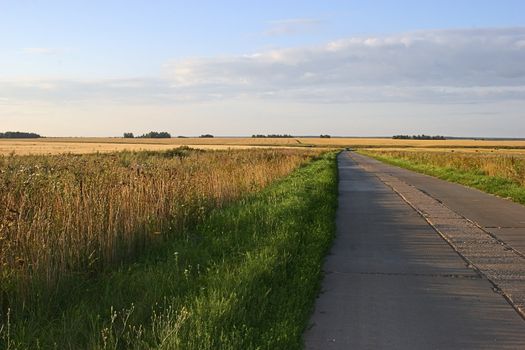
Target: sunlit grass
(243,277)
(66,215)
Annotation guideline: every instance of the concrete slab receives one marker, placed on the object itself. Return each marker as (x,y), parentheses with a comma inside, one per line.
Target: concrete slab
(513,236)
(411,312)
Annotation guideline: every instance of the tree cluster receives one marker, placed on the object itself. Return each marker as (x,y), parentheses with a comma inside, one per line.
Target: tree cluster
(325,136)
(275,136)
(18,135)
(418,137)
(149,135)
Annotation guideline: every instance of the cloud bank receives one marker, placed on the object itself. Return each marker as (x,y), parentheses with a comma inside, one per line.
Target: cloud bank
(443,66)
(429,66)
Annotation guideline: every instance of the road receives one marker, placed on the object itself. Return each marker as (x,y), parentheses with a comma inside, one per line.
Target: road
(419,263)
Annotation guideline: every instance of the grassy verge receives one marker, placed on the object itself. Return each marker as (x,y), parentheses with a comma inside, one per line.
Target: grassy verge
(475,178)
(244,278)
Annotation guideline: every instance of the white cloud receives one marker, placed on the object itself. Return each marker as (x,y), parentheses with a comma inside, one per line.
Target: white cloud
(447,66)
(427,65)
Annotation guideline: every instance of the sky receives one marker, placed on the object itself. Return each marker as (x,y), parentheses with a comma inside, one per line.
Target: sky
(233,68)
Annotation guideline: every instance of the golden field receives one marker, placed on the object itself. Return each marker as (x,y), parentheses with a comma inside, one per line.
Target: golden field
(93,145)
(85,146)
(63,214)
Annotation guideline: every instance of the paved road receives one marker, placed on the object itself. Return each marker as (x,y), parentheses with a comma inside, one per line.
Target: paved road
(409,272)
(503,218)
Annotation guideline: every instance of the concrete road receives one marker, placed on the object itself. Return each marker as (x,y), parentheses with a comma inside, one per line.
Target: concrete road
(394,280)
(501,217)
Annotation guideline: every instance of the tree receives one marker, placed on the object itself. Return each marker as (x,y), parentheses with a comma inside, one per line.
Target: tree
(156,135)
(128,135)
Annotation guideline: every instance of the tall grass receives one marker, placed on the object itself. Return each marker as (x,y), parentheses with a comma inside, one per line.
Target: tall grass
(67,214)
(499,165)
(243,277)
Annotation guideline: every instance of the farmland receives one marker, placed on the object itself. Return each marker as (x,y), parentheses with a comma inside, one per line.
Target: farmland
(150,244)
(92,145)
(157,228)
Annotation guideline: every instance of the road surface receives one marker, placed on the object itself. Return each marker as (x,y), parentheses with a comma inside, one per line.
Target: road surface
(419,263)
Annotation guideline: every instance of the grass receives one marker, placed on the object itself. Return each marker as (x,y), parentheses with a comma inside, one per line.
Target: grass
(69,215)
(244,277)
(499,174)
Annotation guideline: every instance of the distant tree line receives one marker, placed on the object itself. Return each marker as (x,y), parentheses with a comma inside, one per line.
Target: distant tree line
(159,135)
(149,135)
(275,136)
(18,135)
(418,137)
(325,136)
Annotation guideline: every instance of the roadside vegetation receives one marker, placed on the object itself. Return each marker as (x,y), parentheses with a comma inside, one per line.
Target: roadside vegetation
(499,174)
(163,250)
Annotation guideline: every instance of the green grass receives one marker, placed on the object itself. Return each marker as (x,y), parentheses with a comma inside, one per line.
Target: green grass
(244,278)
(499,186)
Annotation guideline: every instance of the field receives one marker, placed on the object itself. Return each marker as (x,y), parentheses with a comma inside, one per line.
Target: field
(497,171)
(91,145)
(159,228)
(149,244)
(85,146)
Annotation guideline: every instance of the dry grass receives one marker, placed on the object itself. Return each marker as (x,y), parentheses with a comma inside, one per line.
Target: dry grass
(505,164)
(244,277)
(81,213)
(92,145)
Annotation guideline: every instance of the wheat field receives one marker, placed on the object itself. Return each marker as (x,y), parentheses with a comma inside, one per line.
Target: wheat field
(104,145)
(67,214)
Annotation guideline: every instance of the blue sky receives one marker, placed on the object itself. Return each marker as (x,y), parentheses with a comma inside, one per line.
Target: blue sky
(303,67)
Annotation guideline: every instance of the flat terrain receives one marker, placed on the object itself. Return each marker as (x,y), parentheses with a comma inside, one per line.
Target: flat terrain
(91,145)
(23,147)
(409,270)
